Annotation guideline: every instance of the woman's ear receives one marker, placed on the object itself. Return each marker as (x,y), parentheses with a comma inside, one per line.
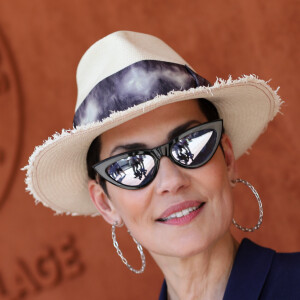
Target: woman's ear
(103,203)
(229,157)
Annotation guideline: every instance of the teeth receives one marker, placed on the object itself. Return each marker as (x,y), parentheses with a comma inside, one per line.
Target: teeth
(185,212)
(182,213)
(179,214)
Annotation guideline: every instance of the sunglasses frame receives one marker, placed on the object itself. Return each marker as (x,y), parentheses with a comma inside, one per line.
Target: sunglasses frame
(158,152)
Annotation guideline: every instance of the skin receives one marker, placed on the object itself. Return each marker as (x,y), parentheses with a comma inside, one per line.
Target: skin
(195,258)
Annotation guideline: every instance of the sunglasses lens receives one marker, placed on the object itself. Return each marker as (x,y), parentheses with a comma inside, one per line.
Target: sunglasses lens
(196,148)
(134,171)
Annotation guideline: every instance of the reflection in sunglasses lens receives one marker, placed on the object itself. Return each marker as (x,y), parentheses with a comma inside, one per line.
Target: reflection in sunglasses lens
(134,170)
(194,148)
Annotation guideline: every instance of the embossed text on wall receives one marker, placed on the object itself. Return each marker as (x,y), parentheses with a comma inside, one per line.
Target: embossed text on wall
(50,268)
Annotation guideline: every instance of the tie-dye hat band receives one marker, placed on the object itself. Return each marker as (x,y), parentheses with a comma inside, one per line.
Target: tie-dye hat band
(123,76)
(133,85)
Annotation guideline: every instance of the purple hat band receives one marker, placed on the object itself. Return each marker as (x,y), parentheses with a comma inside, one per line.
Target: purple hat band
(133,85)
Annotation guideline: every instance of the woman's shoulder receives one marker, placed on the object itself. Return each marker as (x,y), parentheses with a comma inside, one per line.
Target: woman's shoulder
(287,261)
(284,277)
(280,260)
(262,273)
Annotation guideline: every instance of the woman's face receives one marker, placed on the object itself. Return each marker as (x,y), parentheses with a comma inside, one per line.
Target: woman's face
(173,188)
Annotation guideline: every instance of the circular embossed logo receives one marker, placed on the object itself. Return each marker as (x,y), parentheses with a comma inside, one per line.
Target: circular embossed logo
(10,119)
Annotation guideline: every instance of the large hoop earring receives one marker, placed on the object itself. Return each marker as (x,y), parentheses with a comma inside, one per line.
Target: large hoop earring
(124,260)
(259,205)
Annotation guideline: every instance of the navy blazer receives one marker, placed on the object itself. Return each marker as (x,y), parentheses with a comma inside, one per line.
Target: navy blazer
(260,273)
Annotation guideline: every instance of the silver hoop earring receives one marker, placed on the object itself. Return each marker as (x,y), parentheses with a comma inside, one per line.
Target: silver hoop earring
(124,260)
(259,205)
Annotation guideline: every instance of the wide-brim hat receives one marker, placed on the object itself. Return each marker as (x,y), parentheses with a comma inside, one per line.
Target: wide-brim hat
(122,76)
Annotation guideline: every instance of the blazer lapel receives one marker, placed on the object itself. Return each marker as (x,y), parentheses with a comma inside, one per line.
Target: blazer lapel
(249,272)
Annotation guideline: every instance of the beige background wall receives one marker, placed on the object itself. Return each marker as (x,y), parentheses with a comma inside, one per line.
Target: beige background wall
(43,257)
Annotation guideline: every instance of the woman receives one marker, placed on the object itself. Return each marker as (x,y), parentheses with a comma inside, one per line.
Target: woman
(154,147)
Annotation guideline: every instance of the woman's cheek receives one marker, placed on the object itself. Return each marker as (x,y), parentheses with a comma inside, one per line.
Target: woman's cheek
(130,205)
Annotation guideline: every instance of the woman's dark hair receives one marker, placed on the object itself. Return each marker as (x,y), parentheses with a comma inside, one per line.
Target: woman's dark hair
(93,155)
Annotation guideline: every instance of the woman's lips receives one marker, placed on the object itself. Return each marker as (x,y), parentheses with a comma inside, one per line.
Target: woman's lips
(181,213)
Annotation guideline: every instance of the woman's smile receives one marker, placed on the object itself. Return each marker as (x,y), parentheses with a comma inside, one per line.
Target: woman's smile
(182,213)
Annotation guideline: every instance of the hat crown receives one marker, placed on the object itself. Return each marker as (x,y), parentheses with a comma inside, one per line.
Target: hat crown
(116,52)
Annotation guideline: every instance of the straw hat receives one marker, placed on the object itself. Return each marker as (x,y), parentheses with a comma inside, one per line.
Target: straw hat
(120,77)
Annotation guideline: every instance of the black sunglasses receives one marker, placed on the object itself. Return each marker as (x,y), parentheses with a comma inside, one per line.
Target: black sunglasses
(135,169)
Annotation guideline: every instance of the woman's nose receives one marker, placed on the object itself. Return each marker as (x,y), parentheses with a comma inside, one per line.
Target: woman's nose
(170,177)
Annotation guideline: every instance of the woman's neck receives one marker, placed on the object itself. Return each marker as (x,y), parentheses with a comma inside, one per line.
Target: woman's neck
(201,276)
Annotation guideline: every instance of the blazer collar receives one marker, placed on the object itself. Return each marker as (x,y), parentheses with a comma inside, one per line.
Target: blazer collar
(249,272)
